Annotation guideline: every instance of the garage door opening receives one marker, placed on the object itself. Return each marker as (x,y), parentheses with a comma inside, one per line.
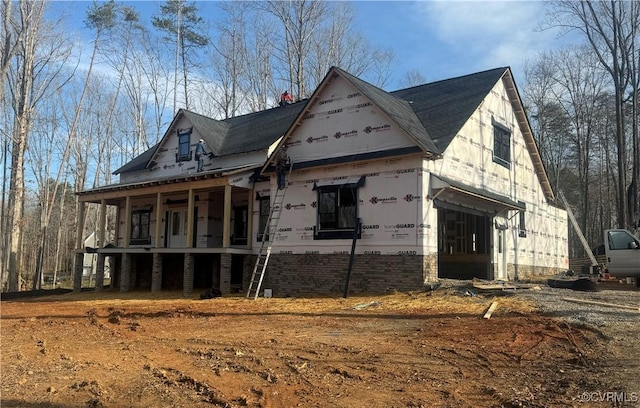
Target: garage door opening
(464,245)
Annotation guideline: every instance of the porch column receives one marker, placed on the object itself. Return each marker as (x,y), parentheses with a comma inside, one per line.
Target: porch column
(226,219)
(101,234)
(158,229)
(250,218)
(156,273)
(127,222)
(125,272)
(187,284)
(225,273)
(101,221)
(79,265)
(100,272)
(190,243)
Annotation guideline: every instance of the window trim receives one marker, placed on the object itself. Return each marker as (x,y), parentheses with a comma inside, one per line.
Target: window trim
(500,147)
(337,233)
(141,239)
(522,230)
(265,231)
(184,145)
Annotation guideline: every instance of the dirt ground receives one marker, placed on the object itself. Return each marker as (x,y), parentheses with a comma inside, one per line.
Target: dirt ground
(430,349)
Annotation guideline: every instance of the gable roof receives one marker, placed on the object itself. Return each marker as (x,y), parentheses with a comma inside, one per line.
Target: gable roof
(431,114)
(443,107)
(398,109)
(240,134)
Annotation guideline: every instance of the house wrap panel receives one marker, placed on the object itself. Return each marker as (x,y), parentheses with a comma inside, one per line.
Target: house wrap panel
(469,159)
(344,122)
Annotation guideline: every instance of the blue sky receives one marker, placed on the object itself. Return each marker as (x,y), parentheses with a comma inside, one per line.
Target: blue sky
(444,39)
(440,39)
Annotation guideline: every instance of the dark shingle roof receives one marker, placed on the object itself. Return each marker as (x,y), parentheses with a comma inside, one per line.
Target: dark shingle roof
(397,108)
(139,162)
(432,114)
(443,107)
(240,134)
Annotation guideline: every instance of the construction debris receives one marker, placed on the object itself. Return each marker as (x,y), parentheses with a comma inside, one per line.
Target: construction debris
(492,308)
(595,303)
(366,305)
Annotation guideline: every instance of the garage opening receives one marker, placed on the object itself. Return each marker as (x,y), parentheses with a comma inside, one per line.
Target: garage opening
(464,245)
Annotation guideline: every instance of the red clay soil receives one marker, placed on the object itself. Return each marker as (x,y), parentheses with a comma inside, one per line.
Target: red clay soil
(99,350)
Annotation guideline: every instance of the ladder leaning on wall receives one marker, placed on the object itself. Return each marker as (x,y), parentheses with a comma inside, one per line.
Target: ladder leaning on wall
(268,237)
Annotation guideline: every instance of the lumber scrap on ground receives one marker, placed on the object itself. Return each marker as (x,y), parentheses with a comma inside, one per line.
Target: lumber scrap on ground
(492,308)
(605,304)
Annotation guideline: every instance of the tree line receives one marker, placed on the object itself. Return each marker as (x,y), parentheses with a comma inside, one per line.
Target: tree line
(73,111)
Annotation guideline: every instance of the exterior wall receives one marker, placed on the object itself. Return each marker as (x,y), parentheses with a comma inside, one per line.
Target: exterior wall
(390,209)
(341,123)
(210,209)
(296,274)
(469,159)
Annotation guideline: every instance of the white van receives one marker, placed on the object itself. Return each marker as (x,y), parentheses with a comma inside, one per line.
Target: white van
(622,250)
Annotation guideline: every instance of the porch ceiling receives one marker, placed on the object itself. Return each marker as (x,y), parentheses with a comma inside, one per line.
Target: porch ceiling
(113,194)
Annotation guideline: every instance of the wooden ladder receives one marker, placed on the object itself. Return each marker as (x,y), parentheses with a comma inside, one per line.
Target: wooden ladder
(268,237)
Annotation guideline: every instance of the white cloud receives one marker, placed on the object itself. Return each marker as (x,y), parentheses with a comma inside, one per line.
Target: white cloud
(492,33)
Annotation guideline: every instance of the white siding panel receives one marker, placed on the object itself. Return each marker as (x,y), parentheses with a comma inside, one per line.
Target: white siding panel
(344,122)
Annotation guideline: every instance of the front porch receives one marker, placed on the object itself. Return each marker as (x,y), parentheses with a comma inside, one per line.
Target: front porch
(189,234)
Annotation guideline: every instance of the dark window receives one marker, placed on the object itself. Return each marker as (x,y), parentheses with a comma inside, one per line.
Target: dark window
(501,145)
(140,227)
(241,214)
(184,146)
(522,228)
(337,211)
(264,205)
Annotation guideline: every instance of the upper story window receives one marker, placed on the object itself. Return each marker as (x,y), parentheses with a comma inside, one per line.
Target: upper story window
(501,145)
(140,221)
(184,145)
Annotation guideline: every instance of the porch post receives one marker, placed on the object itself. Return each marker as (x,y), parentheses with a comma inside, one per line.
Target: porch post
(250,218)
(226,221)
(190,243)
(100,272)
(225,273)
(102,218)
(158,229)
(156,273)
(127,222)
(79,265)
(188,275)
(125,272)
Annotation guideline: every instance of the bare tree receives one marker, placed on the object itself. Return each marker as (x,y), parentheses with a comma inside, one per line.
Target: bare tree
(412,78)
(30,19)
(610,28)
(181,22)
(299,22)
(227,60)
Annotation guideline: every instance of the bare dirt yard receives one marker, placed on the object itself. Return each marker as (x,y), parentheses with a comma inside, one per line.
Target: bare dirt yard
(420,349)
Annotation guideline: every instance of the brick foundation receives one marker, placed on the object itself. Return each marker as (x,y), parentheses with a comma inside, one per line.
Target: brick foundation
(296,274)
(187,284)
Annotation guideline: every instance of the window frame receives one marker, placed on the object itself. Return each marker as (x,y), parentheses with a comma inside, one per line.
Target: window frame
(184,145)
(263,225)
(144,228)
(335,231)
(522,230)
(501,144)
